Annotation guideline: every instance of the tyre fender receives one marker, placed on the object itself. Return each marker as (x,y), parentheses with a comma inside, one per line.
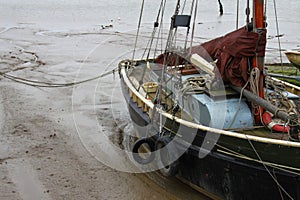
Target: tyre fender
(137,155)
(167,156)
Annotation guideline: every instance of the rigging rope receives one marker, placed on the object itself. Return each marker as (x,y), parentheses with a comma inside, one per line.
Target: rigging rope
(277,30)
(254,86)
(188,28)
(138,30)
(156,25)
(288,169)
(160,31)
(237,13)
(263,163)
(193,29)
(239,105)
(183,7)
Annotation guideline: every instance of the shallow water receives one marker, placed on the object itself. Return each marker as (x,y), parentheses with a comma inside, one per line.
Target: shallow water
(55,15)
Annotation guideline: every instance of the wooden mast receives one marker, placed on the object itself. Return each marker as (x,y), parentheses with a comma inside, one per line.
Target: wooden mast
(258,61)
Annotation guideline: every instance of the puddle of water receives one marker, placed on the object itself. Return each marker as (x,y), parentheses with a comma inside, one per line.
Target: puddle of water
(23,176)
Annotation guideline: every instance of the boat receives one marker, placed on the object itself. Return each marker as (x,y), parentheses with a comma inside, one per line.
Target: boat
(293,57)
(208,114)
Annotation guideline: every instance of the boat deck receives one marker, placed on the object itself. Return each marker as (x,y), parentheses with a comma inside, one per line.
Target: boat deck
(140,75)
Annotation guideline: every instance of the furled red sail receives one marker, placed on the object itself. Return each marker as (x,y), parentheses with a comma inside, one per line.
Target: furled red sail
(232,53)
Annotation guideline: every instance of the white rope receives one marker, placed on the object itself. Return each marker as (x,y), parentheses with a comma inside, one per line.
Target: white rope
(254,84)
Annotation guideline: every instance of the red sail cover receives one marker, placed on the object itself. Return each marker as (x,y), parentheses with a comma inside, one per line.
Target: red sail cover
(233,52)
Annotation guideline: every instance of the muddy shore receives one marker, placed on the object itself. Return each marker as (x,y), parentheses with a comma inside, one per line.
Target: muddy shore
(42,155)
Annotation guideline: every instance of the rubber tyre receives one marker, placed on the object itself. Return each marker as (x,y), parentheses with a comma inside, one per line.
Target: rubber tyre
(136,155)
(169,152)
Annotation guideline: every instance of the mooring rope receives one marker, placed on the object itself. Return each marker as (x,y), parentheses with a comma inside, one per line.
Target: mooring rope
(52,85)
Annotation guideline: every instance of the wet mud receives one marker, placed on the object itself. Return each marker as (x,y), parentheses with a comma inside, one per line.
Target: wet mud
(42,154)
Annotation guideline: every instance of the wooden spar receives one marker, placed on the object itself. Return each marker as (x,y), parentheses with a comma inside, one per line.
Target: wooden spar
(290,119)
(258,61)
(258,17)
(263,103)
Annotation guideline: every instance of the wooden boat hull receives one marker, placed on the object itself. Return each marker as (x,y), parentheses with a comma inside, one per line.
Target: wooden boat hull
(236,167)
(294,57)
(230,178)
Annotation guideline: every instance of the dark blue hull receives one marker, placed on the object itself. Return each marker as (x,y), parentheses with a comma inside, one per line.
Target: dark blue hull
(224,175)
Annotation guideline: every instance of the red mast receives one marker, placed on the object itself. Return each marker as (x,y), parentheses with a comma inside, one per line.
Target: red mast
(258,61)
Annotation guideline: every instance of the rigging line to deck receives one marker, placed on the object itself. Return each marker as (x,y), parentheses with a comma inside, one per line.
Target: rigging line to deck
(277,30)
(277,166)
(156,25)
(138,30)
(237,14)
(275,180)
(280,192)
(239,105)
(193,28)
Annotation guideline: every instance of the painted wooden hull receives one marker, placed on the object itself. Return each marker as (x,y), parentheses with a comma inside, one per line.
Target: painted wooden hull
(294,57)
(239,166)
